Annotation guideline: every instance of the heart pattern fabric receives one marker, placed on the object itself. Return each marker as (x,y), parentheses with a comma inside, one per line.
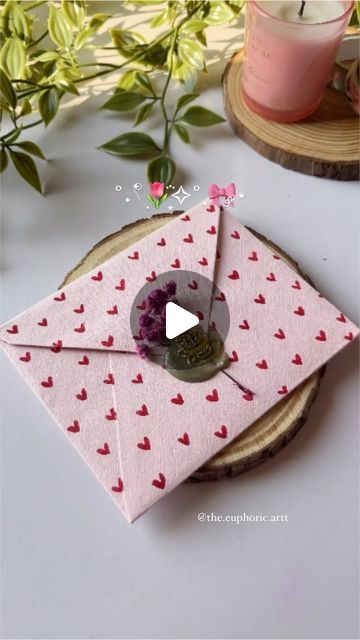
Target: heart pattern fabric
(127,417)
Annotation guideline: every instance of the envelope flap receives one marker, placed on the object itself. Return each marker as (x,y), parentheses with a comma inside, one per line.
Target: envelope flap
(93,312)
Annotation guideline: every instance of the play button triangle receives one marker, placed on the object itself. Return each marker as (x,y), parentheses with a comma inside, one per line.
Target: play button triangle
(178,320)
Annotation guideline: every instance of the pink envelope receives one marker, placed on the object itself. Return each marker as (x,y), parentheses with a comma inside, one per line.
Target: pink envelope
(140,430)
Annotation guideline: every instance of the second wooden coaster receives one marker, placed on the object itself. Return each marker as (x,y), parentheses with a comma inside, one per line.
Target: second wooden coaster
(272,431)
(325,145)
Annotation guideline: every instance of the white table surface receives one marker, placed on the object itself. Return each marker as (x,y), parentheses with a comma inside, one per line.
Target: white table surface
(72,566)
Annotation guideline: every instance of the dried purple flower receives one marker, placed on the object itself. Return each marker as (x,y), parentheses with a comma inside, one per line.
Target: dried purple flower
(142,350)
(152,322)
(157,299)
(170,288)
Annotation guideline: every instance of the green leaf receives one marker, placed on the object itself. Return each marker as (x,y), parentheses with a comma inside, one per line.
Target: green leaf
(26,108)
(131,144)
(4,160)
(14,136)
(19,22)
(26,167)
(124,101)
(127,80)
(144,80)
(182,133)
(159,19)
(97,20)
(161,169)
(190,52)
(185,99)
(13,58)
(127,42)
(82,38)
(31,147)
(7,92)
(194,26)
(48,104)
(75,11)
(143,113)
(48,56)
(59,28)
(201,117)
(219,13)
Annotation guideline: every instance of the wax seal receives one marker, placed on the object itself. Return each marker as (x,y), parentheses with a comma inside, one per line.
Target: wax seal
(196,355)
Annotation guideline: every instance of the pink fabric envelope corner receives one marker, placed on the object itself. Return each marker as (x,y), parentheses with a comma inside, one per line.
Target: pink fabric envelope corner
(140,430)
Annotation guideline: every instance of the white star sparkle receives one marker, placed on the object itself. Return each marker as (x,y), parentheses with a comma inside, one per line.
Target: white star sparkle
(180,195)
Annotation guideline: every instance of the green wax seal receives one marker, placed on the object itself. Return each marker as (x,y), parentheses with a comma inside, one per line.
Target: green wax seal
(196,355)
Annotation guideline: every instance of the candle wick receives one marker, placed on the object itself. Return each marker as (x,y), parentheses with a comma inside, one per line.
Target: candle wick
(301,11)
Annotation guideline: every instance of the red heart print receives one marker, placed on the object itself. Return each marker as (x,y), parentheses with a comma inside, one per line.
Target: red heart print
(80,309)
(184,439)
(98,277)
(61,297)
(271,277)
(14,329)
(113,311)
(211,231)
(109,342)
(176,264)
(48,383)
(82,395)
(145,444)
(262,364)
(118,488)
(74,428)
(84,361)
(137,338)
(200,315)
(280,335)
(218,255)
(296,285)
(234,275)
(320,295)
(253,257)
(222,433)
(43,323)
(193,285)
(143,411)
(213,397)
(283,391)
(213,325)
(141,306)
(220,297)
(349,336)
(178,399)
(161,243)
(234,357)
(185,218)
(297,359)
(236,235)
(276,257)
(57,346)
(260,299)
(248,396)
(104,450)
(321,336)
(211,208)
(341,318)
(299,311)
(138,379)
(80,329)
(203,262)
(110,379)
(121,286)
(112,415)
(151,277)
(189,238)
(26,357)
(244,325)
(134,256)
(159,482)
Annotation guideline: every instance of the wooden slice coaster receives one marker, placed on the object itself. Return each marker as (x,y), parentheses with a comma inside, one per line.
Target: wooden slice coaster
(324,145)
(267,435)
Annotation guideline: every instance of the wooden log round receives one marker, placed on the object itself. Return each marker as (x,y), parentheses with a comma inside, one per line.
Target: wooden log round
(325,145)
(272,431)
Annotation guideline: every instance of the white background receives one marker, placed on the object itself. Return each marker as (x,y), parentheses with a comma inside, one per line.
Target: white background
(72,566)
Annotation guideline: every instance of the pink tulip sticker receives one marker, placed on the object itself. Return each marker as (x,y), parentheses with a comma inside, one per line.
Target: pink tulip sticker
(157,193)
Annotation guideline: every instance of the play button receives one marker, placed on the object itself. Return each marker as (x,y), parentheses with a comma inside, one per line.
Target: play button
(178,320)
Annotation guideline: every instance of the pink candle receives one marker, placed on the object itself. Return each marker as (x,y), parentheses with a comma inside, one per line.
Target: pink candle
(288,58)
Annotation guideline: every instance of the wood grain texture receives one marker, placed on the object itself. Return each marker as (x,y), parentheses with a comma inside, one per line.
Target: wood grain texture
(272,431)
(325,145)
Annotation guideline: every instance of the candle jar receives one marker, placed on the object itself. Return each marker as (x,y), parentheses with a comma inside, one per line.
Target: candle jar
(288,58)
